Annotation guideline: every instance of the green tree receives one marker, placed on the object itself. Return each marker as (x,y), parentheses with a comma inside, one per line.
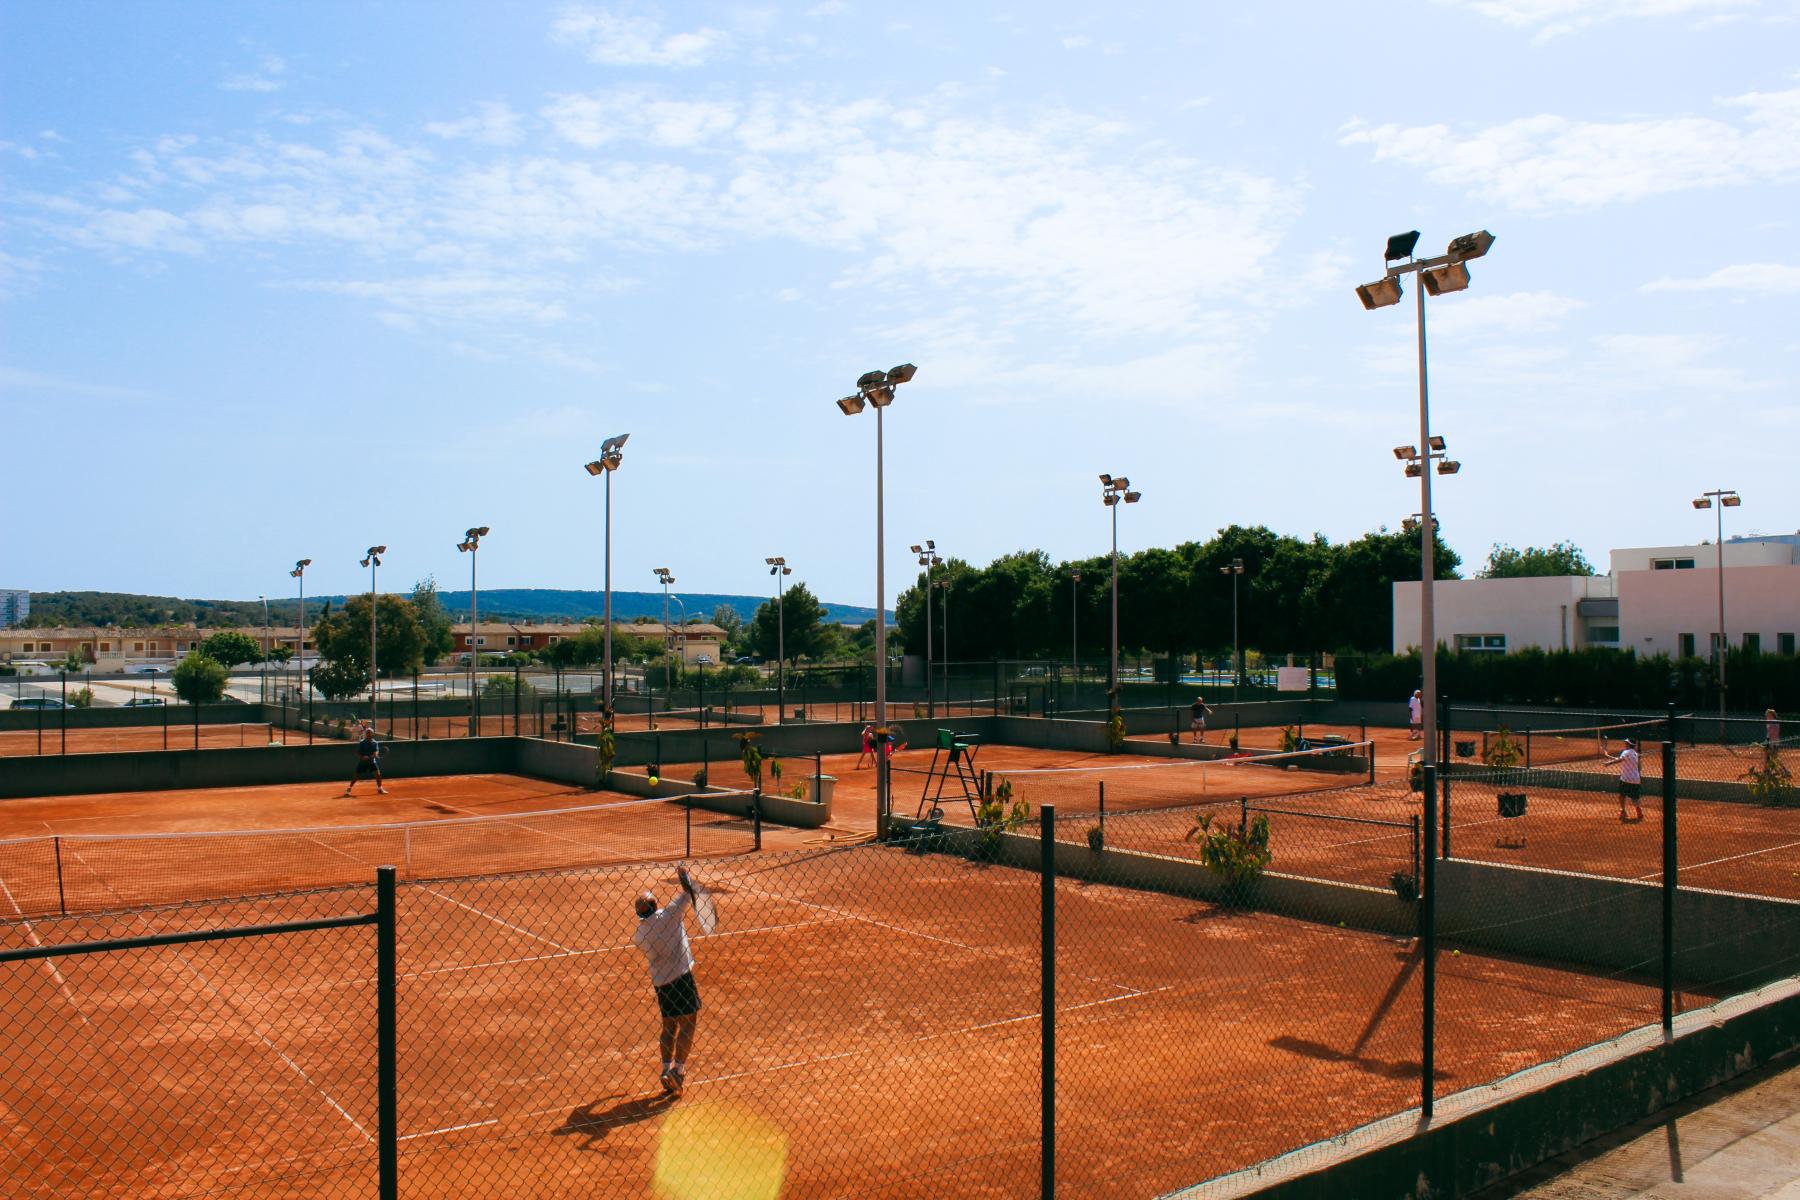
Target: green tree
(728,618)
(339,680)
(344,636)
(589,647)
(800,632)
(230,648)
(280,654)
(1560,558)
(434,622)
(199,679)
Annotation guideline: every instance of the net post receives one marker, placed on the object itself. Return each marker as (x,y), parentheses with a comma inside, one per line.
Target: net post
(386,1037)
(1103,814)
(62,904)
(40,727)
(1428,950)
(1528,749)
(165,709)
(196,724)
(756,815)
(1670,845)
(1417,866)
(1047,1001)
(65,712)
(1444,829)
(1243,816)
(687,821)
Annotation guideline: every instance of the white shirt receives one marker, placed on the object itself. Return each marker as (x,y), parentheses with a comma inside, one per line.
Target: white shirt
(1414,709)
(1628,766)
(662,937)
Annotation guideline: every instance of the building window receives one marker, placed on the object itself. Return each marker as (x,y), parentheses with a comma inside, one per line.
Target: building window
(137,647)
(512,641)
(1753,643)
(1672,564)
(1784,643)
(1686,642)
(481,641)
(1608,634)
(1485,643)
(105,646)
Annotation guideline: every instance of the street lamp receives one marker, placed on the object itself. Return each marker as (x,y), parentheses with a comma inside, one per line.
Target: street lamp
(1113,492)
(471,545)
(372,562)
(928,558)
(265,648)
(299,572)
(612,453)
(1727,498)
(780,570)
(1234,569)
(665,577)
(877,388)
(1445,273)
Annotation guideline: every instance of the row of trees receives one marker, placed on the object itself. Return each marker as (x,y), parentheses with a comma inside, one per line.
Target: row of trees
(1294,595)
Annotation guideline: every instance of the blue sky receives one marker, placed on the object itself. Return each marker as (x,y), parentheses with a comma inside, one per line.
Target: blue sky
(284,280)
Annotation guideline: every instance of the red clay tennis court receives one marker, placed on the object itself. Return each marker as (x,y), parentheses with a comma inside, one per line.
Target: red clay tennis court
(870,1029)
(175,736)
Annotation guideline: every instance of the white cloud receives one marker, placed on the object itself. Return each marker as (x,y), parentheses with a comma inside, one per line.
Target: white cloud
(268,78)
(1553,18)
(493,123)
(606,37)
(1755,278)
(829,8)
(1502,316)
(1547,162)
(593,120)
(1077,42)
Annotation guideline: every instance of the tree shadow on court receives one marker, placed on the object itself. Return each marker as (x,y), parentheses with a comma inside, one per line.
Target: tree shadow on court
(592,1122)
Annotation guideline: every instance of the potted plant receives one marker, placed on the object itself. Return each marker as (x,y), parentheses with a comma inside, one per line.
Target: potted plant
(1238,859)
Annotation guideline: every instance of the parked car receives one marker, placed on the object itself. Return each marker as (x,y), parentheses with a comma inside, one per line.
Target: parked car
(37,702)
(144,702)
(743,660)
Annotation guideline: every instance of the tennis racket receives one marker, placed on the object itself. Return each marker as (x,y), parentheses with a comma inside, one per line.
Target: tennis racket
(705,911)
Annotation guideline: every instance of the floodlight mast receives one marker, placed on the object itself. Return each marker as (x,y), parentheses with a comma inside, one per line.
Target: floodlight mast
(372,562)
(299,572)
(470,545)
(1114,490)
(780,570)
(611,455)
(1727,498)
(928,558)
(1445,273)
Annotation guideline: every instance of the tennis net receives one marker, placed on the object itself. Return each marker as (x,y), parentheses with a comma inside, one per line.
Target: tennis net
(1174,783)
(86,872)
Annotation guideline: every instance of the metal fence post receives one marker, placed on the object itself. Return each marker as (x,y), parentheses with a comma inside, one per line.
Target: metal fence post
(1428,949)
(756,815)
(65,712)
(386,1037)
(1047,1000)
(1670,844)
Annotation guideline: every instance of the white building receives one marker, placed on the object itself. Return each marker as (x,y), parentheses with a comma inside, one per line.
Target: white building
(15,606)
(1656,600)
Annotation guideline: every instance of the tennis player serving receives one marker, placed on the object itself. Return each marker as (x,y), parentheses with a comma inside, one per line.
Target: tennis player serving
(662,936)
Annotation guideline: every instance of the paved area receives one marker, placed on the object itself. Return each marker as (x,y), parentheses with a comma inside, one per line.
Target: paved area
(1736,1142)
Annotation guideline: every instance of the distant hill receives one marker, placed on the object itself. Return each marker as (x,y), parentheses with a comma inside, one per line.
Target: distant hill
(522,604)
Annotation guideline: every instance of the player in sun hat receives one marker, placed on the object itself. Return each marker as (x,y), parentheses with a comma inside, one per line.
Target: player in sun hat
(662,936)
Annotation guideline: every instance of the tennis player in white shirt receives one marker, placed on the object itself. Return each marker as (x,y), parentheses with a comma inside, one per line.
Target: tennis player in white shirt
(662,936)
(1631,780)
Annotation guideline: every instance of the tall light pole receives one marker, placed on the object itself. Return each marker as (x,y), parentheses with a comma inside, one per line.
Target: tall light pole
(372,562)
(1445,273)
(265,604)
(928,558)
(1113,492)
(665,577)
(1234,569)
(612,453)
(1727,498)
(1075,631)
(877,388)
(943,585)
(471,545)
(299,572)
(780,570)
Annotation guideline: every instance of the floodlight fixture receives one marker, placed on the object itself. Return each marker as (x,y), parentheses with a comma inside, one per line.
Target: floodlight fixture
(870,379)
(1453,277)
(1133,497)
(1110,499)
(1470,245)
(881,396)
(1730,500)
(614,444)
(1234,567)
(1435,442)
(1379,294)
(918,549)
(902,373)
(1703,502)
(1448,466)
(465,545)
(1105,480)
(1121,483)
(1405,452)
(1414,470)
(1401,245)
(596,467)
(851,405)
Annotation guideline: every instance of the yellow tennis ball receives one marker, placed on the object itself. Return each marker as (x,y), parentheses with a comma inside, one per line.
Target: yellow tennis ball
(654,781)
(720,1151)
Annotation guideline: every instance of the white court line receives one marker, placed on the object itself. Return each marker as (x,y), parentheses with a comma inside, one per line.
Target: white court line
(823,1058)
(1728,858)
(49,963)
(181,958)
(496,920)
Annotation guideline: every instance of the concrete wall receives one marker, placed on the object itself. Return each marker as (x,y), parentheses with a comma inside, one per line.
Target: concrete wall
(1656,607)
(1616,924)
(179,716)
(1750,552)
(1529,612)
